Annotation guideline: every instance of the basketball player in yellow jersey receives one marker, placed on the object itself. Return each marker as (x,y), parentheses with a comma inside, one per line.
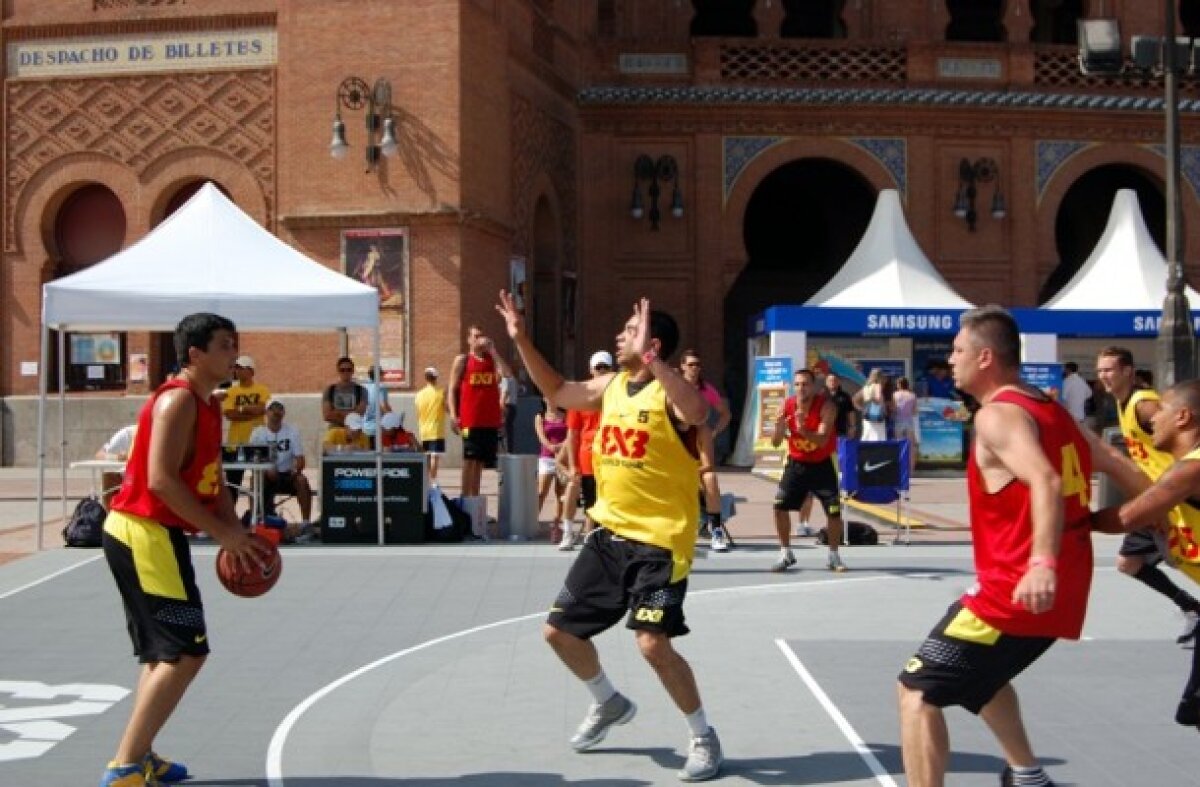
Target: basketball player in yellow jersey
(1142,550)
(635,564)
(1174,497)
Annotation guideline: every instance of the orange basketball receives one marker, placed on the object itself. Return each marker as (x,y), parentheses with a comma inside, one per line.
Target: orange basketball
(255,582)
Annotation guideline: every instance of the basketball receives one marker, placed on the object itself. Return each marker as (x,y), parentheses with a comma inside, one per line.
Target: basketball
(255,582)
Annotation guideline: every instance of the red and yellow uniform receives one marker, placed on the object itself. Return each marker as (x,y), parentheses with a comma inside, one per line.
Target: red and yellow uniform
(479,394)
(1002,531)
(1183,539)
(1138,442)
(802,449)
(645,474)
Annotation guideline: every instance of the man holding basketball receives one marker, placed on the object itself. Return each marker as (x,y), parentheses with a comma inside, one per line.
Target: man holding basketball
(635,564)
(172,486)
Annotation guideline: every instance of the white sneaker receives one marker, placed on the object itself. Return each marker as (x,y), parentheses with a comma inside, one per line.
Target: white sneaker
(803,530)
(1191,621)
(704,758)
(567,543)
(720,542)
(835,563)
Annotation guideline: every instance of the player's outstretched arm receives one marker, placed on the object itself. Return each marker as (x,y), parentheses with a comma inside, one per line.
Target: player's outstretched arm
(1150,508)
(563,393)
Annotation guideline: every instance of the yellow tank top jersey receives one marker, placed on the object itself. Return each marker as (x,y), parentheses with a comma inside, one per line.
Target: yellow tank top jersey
(646,480)
(1183,539)
(1137,441)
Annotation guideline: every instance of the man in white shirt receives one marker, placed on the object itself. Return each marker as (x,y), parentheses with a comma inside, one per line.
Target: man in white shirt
(118,448)
(1075,391)
(287,477)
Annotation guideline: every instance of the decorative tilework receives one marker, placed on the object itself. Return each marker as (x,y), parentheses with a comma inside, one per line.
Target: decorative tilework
(1052,154)
(1189,163)
(892,153)
(739,152)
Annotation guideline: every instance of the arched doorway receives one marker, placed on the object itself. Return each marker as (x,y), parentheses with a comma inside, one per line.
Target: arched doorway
(1083,215)
(89,227)
(801,223)
(543,282)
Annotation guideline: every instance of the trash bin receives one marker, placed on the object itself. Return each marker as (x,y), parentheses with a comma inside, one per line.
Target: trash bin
(1107,493)
(518,496)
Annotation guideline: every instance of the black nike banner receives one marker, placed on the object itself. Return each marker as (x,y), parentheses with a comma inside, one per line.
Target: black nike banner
(879,464)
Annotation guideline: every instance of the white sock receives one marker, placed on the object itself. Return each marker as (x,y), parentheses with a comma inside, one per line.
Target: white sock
(601,688)
(785,552)
(697,722)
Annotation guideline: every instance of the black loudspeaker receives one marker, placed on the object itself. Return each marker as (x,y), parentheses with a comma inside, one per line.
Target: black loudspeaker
(879,465)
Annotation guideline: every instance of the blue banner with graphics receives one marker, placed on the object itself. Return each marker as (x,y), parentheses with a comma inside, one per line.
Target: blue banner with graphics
(772,386)
(940,426)
(1047,377)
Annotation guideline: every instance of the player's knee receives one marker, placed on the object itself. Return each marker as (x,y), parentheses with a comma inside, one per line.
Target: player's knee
(555,637)
(655,648)
(1128,564)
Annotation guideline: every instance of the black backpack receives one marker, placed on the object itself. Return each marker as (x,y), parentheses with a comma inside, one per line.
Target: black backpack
(860,534)
(86,524)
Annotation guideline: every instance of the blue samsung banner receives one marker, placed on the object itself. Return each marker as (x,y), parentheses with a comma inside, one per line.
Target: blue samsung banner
(858,322)
(1103,324)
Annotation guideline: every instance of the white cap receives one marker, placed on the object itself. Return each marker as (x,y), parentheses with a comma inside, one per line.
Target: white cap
(600,358)
(244,361)
(431,371)
(354,421)
(274,402)
(391,420)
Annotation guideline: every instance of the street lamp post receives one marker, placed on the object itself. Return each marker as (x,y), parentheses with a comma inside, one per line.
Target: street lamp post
(1100,53)
(1176,344)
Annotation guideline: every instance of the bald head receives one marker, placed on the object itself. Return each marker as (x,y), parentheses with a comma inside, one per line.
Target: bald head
(1176,425)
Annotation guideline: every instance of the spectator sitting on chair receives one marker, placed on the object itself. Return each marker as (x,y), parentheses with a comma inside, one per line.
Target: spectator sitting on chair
(287,476)
(348,437)
(395,437)
(117,448)
(343,397)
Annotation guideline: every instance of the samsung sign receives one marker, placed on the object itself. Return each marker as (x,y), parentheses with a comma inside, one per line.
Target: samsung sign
(910,322)
(152,52)
(841,321)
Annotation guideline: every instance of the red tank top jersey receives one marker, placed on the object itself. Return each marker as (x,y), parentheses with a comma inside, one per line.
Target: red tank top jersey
(479,394)
(1002,531)
(799,448)
(202,474)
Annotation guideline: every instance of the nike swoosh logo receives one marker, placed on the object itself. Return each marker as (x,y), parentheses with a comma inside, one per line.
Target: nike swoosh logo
(199,638)
(868,467)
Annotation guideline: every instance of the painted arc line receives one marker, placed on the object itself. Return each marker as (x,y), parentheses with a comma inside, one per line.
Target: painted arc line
(49,577)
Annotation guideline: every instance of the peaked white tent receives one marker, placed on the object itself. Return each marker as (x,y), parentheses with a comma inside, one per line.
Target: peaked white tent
(208,256)
(1125,271)
(888,268)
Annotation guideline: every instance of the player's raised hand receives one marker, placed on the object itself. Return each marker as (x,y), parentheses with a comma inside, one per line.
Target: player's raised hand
(641,335)
(514,321)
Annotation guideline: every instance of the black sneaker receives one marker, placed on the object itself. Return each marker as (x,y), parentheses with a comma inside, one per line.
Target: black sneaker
(1007,779)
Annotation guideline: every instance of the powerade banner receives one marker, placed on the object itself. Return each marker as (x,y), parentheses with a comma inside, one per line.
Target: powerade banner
(1047,377)
(772,385)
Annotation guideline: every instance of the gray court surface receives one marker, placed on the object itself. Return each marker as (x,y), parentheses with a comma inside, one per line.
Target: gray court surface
(378,666)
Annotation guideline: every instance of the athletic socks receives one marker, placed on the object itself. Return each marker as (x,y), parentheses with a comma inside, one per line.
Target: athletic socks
(697,722)
(601,688)
(1029,777)
(1154,577)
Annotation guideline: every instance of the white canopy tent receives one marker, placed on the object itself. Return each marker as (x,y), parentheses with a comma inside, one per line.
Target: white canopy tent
(209,256)
(888,269)
(1125,271)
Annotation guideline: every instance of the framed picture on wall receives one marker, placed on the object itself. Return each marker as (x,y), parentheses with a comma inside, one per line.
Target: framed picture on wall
(379,257)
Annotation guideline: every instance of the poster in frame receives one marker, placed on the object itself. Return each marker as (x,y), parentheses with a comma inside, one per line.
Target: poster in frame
(380,258)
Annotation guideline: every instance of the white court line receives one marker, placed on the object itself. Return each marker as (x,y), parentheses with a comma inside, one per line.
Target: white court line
(49,577)
(279,738)
(860,746)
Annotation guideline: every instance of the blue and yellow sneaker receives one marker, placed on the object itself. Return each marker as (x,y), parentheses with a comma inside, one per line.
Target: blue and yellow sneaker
(165,771)
(118,775)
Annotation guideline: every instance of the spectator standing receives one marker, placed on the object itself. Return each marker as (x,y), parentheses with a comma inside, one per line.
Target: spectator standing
(939,382)
(691,367)
(874,407)
(551,428)
(343,397)
(377,404)
(244,405)
(475,409)
(904,418)
(1075,392)
(846,423)
(431,419)
(287,476)
(582,426)
(509,394)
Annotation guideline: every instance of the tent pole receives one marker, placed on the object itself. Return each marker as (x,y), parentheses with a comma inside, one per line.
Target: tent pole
(43,384)
(62,420)
(378,437)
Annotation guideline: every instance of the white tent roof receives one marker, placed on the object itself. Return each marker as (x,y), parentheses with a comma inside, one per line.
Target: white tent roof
(209,256)
(888,269)
(1126,271)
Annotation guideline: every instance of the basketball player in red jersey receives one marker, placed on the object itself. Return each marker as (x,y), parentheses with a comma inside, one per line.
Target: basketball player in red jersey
(173,486)
(475,411)
(1028,483)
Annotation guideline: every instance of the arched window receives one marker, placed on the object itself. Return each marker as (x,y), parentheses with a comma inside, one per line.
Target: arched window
(1189,14)
(1055,21)
(90,227)
(813,19)
(976,20)
(724,18)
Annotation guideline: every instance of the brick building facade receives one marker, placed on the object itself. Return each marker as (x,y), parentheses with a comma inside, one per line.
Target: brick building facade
(518,124)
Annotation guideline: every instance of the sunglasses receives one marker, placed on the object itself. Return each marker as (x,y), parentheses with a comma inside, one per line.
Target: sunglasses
(345,368)
(601,367)
(692,364)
